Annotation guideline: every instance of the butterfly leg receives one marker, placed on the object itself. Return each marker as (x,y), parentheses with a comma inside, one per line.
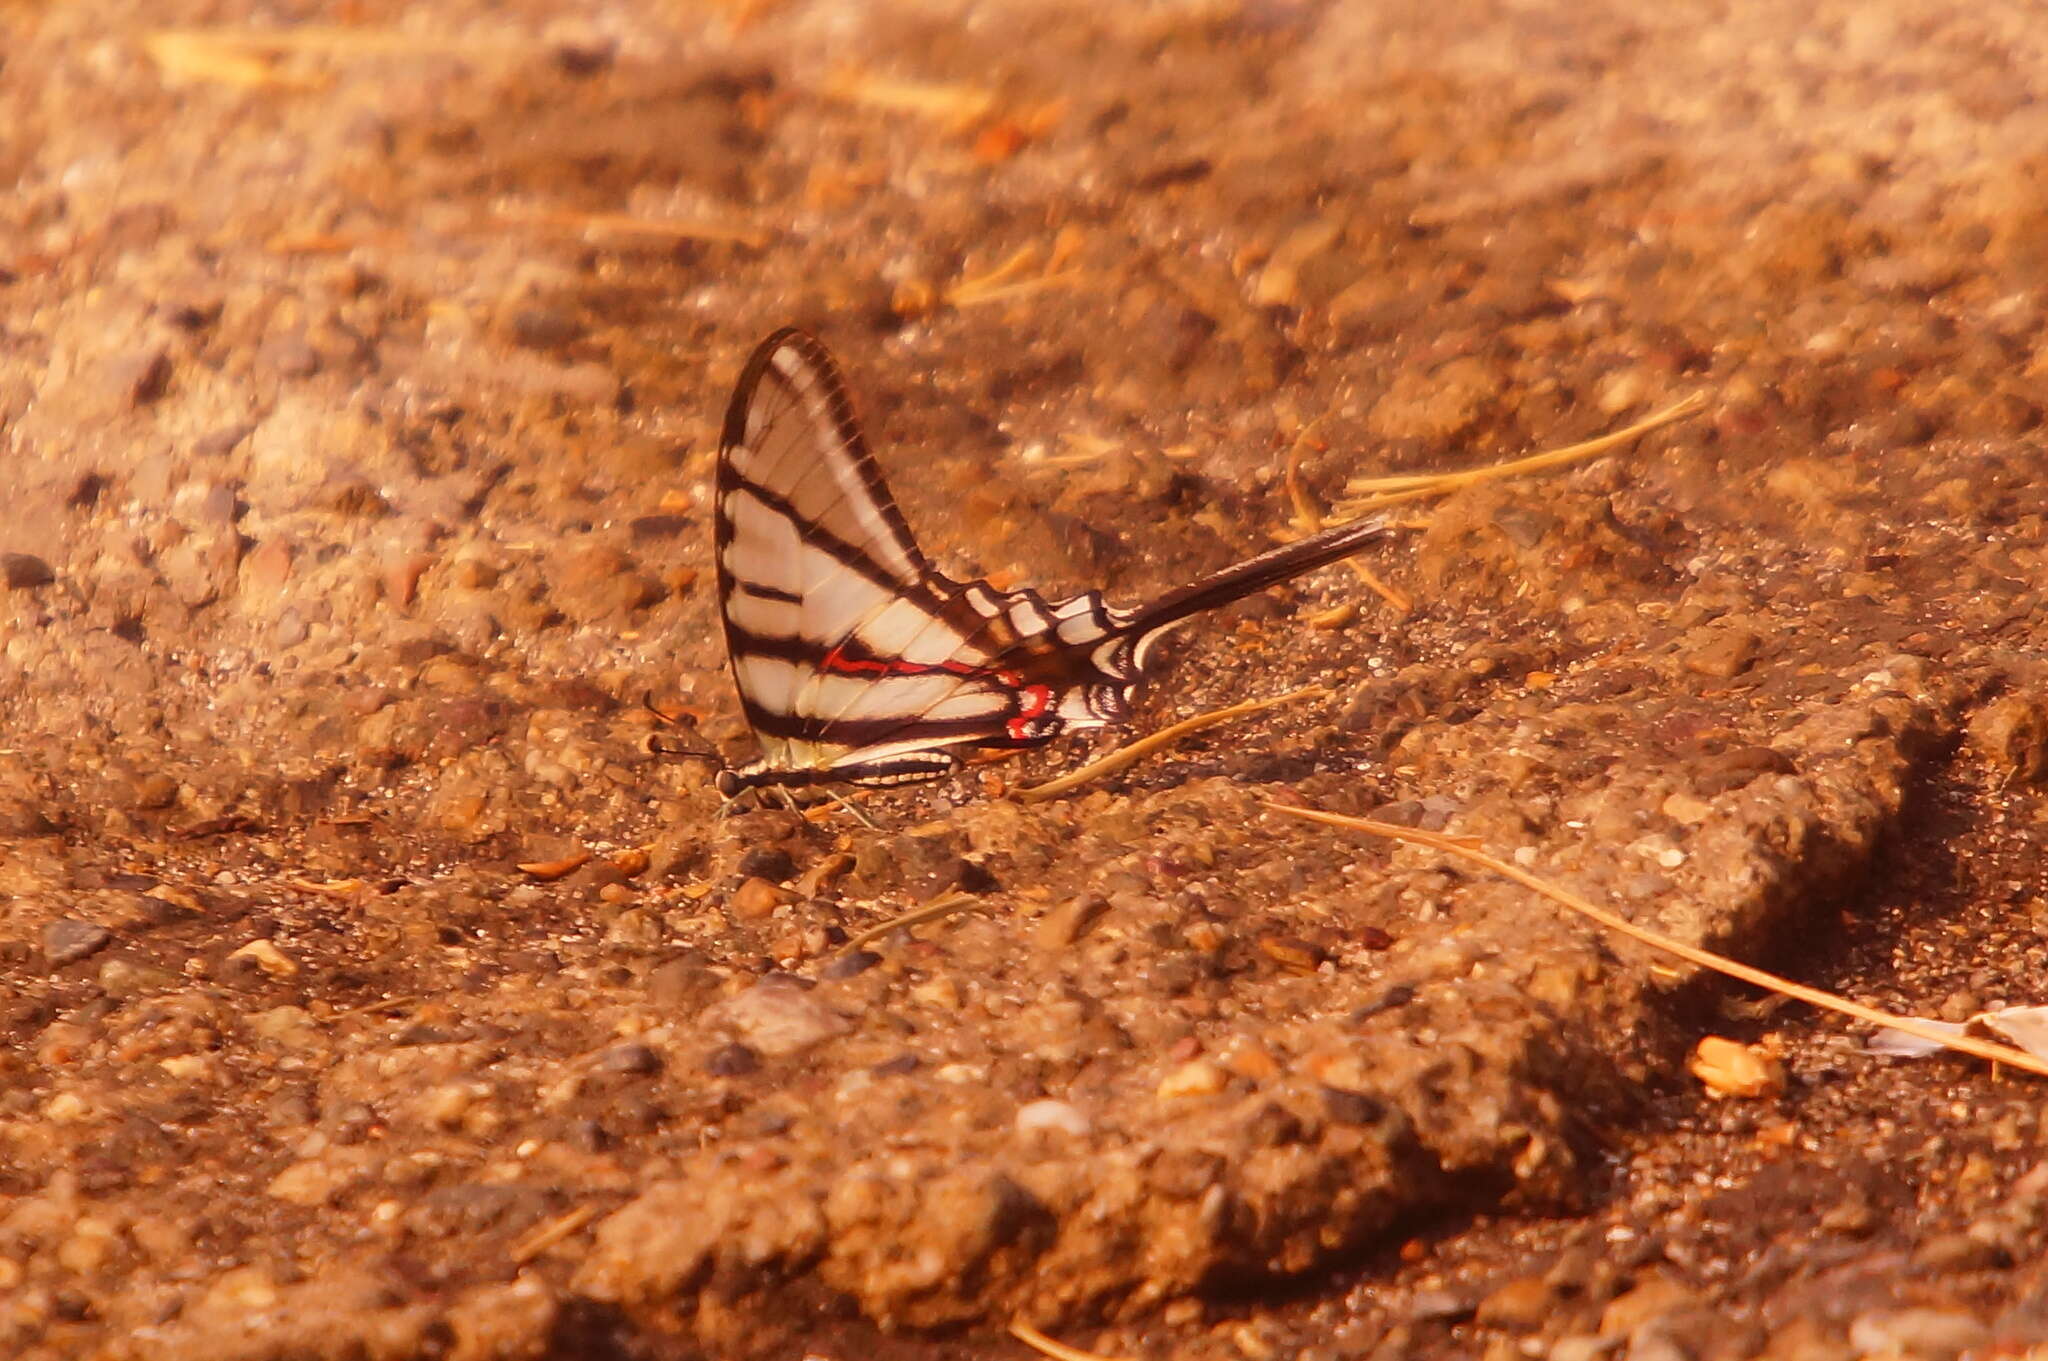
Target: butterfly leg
(858,814)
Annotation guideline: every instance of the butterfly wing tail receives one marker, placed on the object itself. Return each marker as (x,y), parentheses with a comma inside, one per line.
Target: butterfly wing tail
(1270,568)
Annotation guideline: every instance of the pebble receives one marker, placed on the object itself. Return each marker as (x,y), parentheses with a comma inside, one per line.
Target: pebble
(1428,1306)
(1292,952)
(124,978)
(266,956)
(1728,1068)
(732,1060)
(1345,1107)
(1050,1114)
(772,863)
(1196,1077)
(68,940)
(24,571)
(1953,1252)
(1066,922)
(1521,1305)
(1721,651)
(152,791)
(313,1182)
(1581,1347)
(849,965)
(544,328)
(1921,1334)
(757,898)
(21,818)
(596,584)
(140,377)
(1685,808)
(683,984)
(1654,1296)
(2012,735)
(630,1060)
(778,1019)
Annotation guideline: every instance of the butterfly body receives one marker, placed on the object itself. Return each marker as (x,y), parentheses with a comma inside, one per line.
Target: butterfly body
(858,662)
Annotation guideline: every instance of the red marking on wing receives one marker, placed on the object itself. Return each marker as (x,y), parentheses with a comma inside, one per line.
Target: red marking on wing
(838,662)
(1037,699)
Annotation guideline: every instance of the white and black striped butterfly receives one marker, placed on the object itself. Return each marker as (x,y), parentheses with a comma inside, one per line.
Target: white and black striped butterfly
(856,660)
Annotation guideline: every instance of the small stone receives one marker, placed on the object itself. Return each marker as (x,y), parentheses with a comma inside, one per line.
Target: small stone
(849,965)
(311,1183)
(1292,952)
(24,571)
(222,441)
(1521,1305)
(683,984)
(1720,652)
(1923,1334)
(1346,1107)
(1653,1296)
(1248,1059)
(290,356)
(287,1027)
(1048,1114)
(445,1106)
(68,940)
(596,584)
(637,928)
(1955,1252)
(1728,1068)
(777,1018)
(1066,922)
(772,863)
(757,898)
(266,956)
(66,1108)
(1430,1306)
(1685,808)
(732,1060)
(544,328)
(2012,735)
(629,1060)
(1196,1077)
(124,978)
(1853,1216)
(139,378)
(473,574)
(268,567)
(152,791)
(21,818)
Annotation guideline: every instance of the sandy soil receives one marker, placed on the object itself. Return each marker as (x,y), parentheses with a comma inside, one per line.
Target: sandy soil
(359,377)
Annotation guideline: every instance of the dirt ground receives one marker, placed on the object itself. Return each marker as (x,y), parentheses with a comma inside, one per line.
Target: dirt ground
(360,368)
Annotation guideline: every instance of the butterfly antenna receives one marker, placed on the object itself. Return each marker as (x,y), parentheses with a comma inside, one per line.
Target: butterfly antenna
(658,748)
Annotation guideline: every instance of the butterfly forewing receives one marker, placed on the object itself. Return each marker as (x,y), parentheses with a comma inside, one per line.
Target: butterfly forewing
(851,654)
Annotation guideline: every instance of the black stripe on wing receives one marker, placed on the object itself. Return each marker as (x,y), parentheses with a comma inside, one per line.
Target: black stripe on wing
(791,377)
(851,556)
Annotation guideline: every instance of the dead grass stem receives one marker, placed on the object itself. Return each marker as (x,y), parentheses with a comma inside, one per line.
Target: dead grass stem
(1465,849)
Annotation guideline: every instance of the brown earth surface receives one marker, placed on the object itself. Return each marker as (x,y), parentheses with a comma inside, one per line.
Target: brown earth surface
(359,376)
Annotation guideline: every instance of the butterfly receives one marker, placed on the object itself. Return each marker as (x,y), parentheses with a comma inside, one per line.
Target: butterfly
(856,660)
